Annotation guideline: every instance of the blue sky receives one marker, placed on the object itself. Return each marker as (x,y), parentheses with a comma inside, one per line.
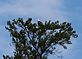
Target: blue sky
(62,10)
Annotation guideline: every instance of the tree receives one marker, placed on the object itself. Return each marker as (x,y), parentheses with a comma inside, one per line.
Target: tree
(37,40)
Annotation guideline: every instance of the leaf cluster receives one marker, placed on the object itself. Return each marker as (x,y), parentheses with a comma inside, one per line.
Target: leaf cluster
(37,40)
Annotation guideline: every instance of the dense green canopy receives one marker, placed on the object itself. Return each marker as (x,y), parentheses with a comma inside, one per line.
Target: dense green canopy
(37,40)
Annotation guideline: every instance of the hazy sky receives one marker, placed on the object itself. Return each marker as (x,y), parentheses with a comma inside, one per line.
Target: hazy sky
(62,10)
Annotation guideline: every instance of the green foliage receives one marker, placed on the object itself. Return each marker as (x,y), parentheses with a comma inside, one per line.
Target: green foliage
(37,40)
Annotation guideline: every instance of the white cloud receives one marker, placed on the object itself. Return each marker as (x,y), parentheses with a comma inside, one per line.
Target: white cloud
(37,8)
